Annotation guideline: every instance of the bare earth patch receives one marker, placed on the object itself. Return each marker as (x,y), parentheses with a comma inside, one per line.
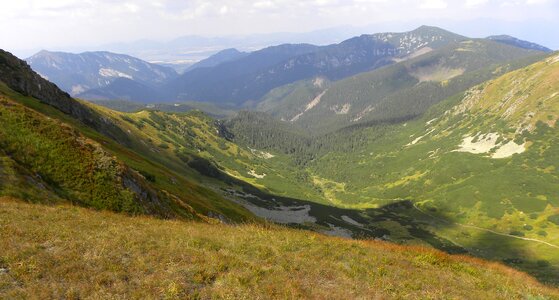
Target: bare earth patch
(351,221)
(436,73)
(337,231)
(420,137)
(309,106)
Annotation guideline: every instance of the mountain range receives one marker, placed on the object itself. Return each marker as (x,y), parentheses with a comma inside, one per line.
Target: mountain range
(78,73)
(245,78)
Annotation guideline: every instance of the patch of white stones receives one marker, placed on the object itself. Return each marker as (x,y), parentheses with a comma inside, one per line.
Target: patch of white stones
(341,109)
(261,154)
(508,150)
(283,214)
(485,143)
(256,175)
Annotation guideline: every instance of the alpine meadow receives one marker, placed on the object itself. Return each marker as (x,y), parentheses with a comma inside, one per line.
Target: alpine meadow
(279,150)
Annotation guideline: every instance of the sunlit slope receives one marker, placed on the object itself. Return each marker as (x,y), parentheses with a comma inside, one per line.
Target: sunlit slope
(506,126)
(88,254)
(47,156)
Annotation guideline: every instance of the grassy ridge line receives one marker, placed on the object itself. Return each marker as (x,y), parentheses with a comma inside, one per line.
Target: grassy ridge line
(84,253)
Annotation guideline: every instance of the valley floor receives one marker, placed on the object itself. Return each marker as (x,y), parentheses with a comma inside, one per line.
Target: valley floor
(69,252)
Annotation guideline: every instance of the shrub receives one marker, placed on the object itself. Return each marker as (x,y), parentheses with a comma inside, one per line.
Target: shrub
(148,176)
(554,219)
(542,233)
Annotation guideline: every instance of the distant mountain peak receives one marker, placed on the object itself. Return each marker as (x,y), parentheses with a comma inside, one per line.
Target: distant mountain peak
(426,29)
(228,51)
(409,42)
(42,52)
(429,28)
(220,57)
(19,76)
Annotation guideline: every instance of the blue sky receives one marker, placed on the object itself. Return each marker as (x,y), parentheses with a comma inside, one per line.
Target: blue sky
(38,24)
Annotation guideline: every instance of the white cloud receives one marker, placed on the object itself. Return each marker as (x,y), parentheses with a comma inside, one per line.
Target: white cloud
(42,23)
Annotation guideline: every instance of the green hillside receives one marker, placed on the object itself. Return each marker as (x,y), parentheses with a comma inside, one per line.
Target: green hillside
(465,141)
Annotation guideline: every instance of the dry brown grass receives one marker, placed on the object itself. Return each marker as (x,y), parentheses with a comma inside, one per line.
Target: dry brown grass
(70,252)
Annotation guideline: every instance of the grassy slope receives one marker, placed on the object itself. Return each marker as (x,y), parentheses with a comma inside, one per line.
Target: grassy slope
(430,168)
(83,253)
(51,153)
(130,106)
(75,168)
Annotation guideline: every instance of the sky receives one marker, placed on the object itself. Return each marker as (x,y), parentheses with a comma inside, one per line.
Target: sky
(60,24)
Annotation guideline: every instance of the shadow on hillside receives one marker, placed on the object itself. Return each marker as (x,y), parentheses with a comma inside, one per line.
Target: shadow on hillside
(398,222)
(361,224)
(514,253)
(503,247)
